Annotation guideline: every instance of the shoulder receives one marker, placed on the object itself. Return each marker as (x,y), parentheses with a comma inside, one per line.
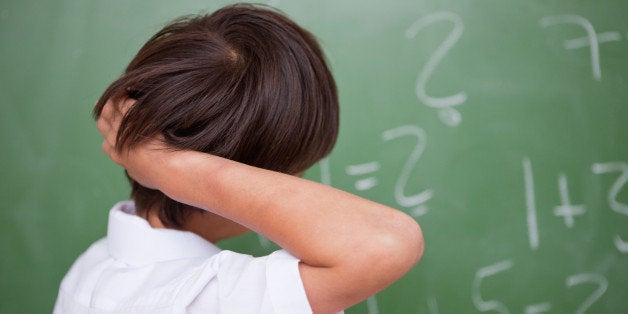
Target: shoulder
(96,254)
(267,284)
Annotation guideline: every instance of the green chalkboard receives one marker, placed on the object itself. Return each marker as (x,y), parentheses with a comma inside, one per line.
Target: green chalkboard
(500,125)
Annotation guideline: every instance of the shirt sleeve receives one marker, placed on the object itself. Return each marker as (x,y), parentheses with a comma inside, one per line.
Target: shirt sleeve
(266,285)
(284,284)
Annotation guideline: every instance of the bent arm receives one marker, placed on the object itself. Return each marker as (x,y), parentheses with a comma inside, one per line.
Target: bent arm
(350,248)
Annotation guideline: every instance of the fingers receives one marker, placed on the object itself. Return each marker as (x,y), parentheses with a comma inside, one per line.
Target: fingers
(113,113)
(111,116)
(126,105)
(111,152)
(108,125)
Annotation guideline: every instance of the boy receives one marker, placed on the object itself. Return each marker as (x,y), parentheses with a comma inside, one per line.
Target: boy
(214,120)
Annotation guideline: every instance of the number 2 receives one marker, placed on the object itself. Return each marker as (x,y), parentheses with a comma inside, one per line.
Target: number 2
(578,279)
(419,198)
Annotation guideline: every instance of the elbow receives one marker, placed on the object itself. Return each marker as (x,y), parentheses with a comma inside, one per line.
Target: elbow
(408,244)
(418,241)
(398,249)
(383,257)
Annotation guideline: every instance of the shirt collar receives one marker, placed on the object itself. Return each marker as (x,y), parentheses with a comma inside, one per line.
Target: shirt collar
(132,240)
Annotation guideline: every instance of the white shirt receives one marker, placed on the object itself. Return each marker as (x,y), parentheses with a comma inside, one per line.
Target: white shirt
(139,269)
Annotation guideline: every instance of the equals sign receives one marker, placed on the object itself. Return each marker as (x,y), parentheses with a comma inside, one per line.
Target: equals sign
(362,169)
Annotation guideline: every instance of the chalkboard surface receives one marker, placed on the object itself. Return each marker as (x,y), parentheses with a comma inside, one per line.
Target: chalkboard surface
(500,125)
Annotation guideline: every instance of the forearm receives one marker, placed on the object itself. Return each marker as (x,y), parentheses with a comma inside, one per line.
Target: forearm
(318,224)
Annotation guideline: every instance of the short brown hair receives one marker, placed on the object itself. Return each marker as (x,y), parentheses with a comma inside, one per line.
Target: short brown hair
(244,83)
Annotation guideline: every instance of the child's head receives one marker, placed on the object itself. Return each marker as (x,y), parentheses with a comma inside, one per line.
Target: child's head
(244,83)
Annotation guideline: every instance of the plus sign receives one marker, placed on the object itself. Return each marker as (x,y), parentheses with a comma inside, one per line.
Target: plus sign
(566,209)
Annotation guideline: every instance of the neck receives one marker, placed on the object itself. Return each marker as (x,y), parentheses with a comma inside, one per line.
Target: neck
(207,225)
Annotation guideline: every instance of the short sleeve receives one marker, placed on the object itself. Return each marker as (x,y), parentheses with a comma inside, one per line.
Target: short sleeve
(285,285)
(244,284)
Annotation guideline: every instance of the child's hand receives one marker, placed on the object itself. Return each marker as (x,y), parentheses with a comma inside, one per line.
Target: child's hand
(142,161)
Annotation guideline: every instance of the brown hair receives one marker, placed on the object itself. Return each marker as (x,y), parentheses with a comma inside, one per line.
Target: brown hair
(244,83)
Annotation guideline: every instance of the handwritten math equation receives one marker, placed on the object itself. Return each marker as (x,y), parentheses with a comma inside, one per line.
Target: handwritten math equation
(566,207)
(568,211)
(364,173)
